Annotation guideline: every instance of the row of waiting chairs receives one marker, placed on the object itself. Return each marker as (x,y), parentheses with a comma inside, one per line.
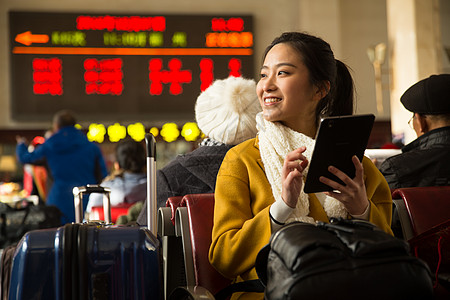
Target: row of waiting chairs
(185,226)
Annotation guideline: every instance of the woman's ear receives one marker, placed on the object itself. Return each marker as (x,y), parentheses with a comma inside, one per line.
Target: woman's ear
(116,166)
(323,90)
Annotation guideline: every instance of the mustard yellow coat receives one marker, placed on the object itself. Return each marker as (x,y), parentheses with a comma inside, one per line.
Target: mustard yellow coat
(241,214)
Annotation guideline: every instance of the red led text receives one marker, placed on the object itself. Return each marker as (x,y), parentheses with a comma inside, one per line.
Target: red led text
(110,23)
(175,76)
(232,24)
(206,73)
(104,76)
(47,76)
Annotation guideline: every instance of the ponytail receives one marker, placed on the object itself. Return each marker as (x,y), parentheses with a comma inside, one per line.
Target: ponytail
(339,101)
(343,100)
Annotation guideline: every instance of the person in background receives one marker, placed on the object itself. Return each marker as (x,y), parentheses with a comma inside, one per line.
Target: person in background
(259,186)
(128,181)
(37,179)
(225,112)
(72,161)
(426,160)
(35,175)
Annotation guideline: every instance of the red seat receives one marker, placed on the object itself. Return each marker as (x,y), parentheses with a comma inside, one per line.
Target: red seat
(116,211)
(426,206)
(194,222)
(424,214)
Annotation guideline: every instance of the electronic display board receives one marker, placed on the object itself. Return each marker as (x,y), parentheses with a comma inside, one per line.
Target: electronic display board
(122,67)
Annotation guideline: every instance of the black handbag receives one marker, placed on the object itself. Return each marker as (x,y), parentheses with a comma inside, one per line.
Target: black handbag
(15,222)
(345,259)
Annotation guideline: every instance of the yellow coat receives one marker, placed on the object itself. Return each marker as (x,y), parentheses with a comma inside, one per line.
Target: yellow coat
(241,214)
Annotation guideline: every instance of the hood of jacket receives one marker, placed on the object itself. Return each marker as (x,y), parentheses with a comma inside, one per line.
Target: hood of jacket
(66,140)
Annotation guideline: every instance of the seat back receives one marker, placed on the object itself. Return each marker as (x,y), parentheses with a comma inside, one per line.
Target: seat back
(425,206)
(97,212)
(200,211)
(424,213)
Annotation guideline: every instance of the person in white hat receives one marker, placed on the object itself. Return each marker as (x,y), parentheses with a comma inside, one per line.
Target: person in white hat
(226,113)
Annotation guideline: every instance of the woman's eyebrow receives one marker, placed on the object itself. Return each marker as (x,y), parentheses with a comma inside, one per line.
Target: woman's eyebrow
(280,65)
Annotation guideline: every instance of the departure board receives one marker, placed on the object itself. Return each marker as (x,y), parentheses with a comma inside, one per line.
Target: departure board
(113,67)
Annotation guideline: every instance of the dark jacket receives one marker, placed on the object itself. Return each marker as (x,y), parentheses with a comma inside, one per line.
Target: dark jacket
(72,160)
(192,173)
(424,162)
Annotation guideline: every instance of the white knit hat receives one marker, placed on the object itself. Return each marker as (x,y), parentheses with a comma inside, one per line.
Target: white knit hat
(226,110)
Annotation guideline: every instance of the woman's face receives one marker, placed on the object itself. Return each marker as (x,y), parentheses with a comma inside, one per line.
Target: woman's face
(285,91)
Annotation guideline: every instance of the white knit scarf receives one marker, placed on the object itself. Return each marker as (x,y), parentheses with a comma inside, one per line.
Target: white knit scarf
(275,142)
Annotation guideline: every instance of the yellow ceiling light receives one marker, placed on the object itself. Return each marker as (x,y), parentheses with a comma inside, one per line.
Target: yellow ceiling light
(116,132)
(154,131)
(136,131)
(190,131)
(170,132)
(96,133)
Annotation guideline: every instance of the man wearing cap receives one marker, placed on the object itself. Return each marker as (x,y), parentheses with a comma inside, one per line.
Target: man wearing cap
(426,160)
(226,113)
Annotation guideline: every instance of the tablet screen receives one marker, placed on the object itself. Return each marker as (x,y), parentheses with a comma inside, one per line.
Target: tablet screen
(337,140)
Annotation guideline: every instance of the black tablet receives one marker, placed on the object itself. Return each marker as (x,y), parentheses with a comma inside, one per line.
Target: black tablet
(337,140)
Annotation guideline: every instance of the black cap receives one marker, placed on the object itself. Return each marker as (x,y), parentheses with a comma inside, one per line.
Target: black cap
(429,96)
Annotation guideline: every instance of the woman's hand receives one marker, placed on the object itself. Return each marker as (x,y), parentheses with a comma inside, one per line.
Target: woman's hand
(353,194)
(292,176)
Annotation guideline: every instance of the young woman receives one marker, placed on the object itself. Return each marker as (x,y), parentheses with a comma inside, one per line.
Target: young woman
(260,183)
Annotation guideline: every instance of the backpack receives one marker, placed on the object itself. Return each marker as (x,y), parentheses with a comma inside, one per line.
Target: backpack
(345,259)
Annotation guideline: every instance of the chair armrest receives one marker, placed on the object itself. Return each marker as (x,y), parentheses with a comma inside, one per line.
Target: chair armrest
(405,221)
(182,230)
(165,225)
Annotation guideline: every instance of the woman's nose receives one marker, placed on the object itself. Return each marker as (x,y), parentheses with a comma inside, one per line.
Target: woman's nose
(269,84)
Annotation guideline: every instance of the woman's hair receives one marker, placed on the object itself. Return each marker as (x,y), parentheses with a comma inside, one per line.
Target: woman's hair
(131,156)
(318,58)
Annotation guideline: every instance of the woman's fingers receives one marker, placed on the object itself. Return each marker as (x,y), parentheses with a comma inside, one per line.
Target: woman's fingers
(353,192)
(348,182)
(292,176)
(295,160)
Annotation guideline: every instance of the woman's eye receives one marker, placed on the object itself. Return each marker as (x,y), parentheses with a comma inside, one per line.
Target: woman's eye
(263,75)
(283,72)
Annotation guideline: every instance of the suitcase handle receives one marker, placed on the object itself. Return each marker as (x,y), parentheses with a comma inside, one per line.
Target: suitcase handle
(151,183)
(78,193)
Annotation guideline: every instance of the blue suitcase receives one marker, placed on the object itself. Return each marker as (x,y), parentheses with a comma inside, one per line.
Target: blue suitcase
(91,260)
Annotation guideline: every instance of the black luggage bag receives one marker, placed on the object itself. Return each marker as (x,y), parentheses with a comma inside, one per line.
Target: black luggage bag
(346,259)
(15,222)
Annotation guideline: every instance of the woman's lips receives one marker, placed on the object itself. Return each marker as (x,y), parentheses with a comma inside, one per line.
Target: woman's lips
(272,100)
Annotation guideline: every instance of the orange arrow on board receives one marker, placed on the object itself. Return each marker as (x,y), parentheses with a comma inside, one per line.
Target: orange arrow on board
(27,38)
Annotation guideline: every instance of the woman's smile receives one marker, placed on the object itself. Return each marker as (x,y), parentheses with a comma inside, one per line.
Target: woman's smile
(271,100)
